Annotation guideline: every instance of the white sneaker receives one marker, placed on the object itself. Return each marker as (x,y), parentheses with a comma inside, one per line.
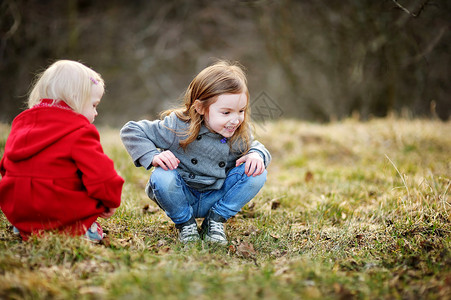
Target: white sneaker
(188,231)
(213,228)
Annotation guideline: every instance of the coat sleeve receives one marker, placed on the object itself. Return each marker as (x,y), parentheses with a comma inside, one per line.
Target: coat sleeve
(97,170)
(143,139)
(258,147)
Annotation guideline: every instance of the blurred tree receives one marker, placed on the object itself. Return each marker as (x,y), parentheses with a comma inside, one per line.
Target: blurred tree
(365,56)
(318,60)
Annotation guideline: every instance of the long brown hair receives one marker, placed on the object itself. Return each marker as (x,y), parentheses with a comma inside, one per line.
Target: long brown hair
(223,77)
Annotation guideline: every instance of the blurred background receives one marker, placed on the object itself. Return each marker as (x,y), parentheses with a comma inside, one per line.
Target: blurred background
(312,60)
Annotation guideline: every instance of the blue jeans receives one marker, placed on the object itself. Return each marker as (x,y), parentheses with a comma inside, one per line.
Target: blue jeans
(180,202)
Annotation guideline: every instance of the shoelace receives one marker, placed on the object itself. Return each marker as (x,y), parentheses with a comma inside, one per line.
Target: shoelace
(216,226)
(189,230)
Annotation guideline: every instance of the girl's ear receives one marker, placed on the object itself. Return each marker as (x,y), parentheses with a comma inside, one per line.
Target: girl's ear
(198,107)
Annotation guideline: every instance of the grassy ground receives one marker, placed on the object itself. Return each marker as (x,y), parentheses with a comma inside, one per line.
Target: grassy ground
(350,211)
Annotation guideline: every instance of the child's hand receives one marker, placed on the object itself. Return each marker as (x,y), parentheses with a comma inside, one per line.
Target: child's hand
(254,164)
(166,160)
(108,212)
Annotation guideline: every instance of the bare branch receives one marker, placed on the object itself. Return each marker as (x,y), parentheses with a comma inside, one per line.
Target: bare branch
(11,5)
(429,48)
(402,7)
(17,19)
(413,14)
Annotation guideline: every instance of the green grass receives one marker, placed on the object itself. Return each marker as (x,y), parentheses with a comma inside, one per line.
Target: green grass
(350,211)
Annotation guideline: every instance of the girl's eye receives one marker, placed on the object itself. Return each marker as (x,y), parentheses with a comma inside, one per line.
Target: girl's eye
(225,113)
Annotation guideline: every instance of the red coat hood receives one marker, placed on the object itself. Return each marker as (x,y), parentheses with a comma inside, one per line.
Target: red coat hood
(36,129)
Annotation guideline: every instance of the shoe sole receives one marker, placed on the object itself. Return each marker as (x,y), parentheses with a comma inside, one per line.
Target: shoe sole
(190,239)
(216,241)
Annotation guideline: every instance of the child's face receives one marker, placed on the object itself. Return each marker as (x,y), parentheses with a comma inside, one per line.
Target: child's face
(90,109)
(226,114)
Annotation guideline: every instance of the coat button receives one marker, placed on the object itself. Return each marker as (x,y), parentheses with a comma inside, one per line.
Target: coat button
(221,164)
(194,161)
(199,137)
(192,176)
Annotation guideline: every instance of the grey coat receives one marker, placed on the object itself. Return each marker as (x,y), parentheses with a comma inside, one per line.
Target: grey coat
(205,162)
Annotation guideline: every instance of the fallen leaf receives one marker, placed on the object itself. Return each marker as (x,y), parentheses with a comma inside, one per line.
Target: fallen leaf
(308,176)
(164,250)
(274,236)
(251,231)
(245,250)
(92,290)
(341,292)
(281,271)
(106,241)
(251,205)
(248,214)
(150,209)
(277,253)
(161,243)
(275,204)
(123,242)
(312,292)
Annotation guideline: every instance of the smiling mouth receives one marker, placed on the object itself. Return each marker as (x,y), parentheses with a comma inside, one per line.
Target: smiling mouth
(230,128)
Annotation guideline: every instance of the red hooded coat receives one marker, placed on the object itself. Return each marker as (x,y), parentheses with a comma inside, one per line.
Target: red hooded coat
(54,172)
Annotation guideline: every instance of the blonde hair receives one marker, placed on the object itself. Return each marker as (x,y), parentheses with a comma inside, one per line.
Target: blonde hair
(223,77)
(65,80)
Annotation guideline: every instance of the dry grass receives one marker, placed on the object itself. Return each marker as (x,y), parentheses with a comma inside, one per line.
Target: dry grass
(350,210)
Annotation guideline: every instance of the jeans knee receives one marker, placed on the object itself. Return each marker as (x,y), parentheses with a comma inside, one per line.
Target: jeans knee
(259,180)
(253,182)
(162,179)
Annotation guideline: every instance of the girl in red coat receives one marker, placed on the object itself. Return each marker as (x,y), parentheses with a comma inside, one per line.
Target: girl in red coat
(55,175)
